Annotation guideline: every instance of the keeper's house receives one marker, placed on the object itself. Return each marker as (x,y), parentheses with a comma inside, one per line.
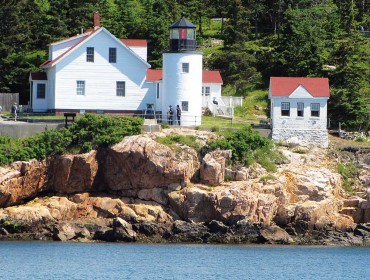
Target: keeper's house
(299,110)
(99,73)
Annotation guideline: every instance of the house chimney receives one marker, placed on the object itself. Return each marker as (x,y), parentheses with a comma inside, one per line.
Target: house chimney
(96,20)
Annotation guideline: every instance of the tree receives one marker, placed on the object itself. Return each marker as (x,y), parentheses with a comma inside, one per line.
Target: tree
(307,37)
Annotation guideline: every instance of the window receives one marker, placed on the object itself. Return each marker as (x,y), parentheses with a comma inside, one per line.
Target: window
(120,89)
(285,109)
(157,91)
(90,54)
(112,55)
(300,109)
(206,91)
(185,68)
(185,106)
(41,88)
(80,87)
(315,109)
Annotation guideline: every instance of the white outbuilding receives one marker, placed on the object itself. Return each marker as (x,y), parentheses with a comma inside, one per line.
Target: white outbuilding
(299,110)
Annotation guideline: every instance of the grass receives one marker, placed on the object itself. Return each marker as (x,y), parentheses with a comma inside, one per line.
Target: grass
(188,140)
(255,105)
(215,123)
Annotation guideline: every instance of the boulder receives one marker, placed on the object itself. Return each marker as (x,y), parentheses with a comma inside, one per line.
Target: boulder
(199,205)
(212,170)
(139,162)
(123,230)
(275,235)
(69,174)
(21,181)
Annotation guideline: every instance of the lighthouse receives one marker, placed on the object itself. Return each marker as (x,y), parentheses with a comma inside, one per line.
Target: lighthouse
(182,74)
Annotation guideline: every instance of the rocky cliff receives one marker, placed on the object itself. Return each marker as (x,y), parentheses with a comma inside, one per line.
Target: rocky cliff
(140,190)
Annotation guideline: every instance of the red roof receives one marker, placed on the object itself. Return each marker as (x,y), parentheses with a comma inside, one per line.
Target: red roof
(209,77)
(284,86)
(134,42)
(212,77)
(154,74)
(38,76)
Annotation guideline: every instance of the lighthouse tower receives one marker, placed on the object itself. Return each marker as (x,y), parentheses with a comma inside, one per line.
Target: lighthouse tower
(182,74)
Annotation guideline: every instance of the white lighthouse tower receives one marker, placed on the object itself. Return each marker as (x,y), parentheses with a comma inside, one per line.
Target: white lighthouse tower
(182,74)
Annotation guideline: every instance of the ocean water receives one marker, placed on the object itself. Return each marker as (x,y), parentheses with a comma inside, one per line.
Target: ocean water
(44,260)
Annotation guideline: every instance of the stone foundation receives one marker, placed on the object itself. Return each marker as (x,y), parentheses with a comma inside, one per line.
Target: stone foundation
(303,137)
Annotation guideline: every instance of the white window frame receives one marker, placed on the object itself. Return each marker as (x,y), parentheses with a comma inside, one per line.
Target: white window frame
(315,110)
(38,93)
(300,108)
(121,88)
(90,54)
(185,67)
(80,87)
(206,91)
(285,107)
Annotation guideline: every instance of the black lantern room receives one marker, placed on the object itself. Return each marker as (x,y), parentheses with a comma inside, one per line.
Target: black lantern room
(182,36)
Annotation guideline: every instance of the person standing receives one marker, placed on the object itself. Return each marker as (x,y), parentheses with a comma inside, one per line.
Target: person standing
(170,115)
(178,115)
(15,111)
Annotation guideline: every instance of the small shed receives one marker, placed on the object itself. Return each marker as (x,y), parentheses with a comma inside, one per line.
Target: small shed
(299,110)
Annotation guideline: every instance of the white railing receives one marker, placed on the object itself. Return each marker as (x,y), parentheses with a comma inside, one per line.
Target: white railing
(232,101)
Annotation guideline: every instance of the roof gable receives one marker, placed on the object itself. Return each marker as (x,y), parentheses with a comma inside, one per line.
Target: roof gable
(285,86)
(300,92)
(87,38)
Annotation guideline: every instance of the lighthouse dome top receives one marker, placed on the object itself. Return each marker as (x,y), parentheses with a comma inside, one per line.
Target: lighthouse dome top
(182,23)
(182,36)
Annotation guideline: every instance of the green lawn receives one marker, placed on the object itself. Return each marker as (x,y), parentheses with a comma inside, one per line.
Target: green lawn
(217,122)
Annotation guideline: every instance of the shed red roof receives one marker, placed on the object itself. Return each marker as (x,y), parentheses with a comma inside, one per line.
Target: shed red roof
(154,74)
(134,42)
(284,86)
(38,76)
(210,77)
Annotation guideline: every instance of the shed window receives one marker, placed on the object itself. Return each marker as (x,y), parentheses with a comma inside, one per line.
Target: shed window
(206,91)
(112,55)
(185,67)
(300,109)
(121,88)
(157,91)
(41,88)
(285,109)
(80,88)
(90,54)
(315,109)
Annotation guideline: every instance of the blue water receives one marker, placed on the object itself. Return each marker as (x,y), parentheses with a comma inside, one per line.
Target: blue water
(40,260)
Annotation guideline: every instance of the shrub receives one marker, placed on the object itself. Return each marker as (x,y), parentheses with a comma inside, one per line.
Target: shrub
(93,131)
(89,132)
(241,142)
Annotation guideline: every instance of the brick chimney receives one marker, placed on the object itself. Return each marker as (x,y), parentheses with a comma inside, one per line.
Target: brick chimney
(96,20)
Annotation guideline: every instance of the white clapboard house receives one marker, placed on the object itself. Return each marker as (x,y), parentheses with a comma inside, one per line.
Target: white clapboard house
(99,73)
(299,110)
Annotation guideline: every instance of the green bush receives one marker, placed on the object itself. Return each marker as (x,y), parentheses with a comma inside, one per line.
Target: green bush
(241,142)
(93,131)
(89,132)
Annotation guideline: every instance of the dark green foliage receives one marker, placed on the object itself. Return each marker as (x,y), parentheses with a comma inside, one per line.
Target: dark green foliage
(93,131)
(243,143)
(89,132)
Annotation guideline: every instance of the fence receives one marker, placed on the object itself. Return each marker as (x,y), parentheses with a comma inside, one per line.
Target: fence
(7,100)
